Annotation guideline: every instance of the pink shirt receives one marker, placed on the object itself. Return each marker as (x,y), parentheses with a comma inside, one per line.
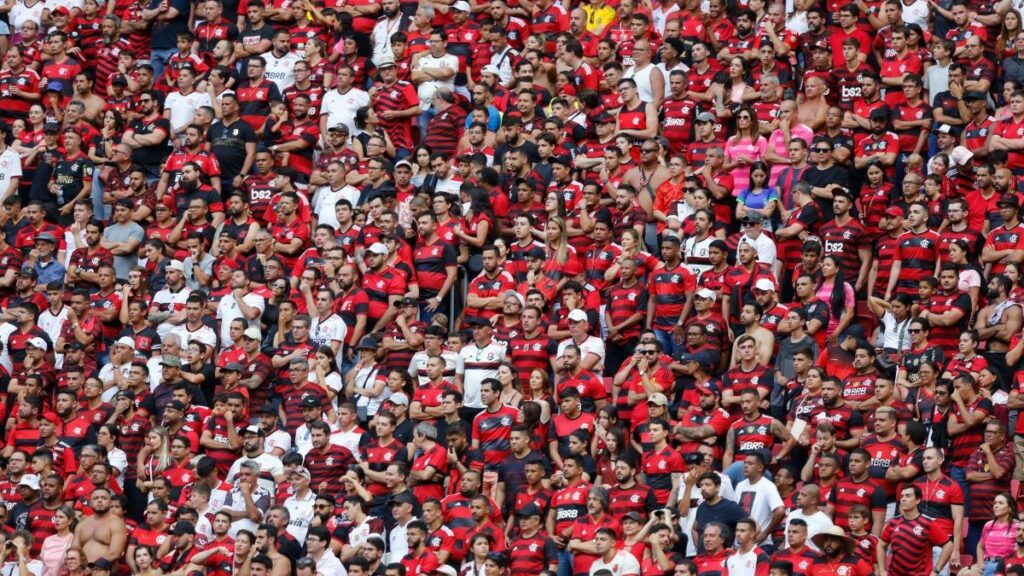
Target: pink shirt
(753,150)
(825,295)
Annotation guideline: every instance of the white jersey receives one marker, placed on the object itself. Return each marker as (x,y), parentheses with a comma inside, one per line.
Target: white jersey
(183,108)
(622,564)
(325,199)
(300,514)
(341,108)
(281,71)
(169,301)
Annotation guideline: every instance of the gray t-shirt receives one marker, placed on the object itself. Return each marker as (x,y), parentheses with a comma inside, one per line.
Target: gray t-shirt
(124,233)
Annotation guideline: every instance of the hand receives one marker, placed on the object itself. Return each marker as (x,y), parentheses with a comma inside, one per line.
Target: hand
(72,315)
(815,449)
(229,416)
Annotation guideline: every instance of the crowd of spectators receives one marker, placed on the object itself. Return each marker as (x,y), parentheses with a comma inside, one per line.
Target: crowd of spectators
(511,287)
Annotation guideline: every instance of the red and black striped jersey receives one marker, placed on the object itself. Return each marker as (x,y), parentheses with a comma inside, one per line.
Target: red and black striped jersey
(965,443)
(432,262)
(843,241)
(911,542)
(492,432)
(849,492)
(917,253)
(670,289)
(531,353)
(938,498)
(885,454)
(531,555)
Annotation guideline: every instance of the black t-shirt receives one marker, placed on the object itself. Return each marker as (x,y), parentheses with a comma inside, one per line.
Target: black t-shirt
(70,175)
(165,32)
(152,157)
(830,176)
(47,161)
(227,143)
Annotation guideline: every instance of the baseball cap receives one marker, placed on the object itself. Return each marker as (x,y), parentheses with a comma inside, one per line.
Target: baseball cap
(46,237)
(536,252)
(30,480)
(51,417)
(367,343)
(37,342)
(765,285)
(399,399)
(172,361)
(55,86)
(252,333)
(658,399)
(709,388)
(101,564)
(880,113)
(530,509)
(378,248)
(975,95)
(310,402)
(490,69)
(126,341)
(175,405)
(894,211)
(461,6)
(51,127)
(578,316)
(707,294)
(302,471)
(1008,200)
(182,527)
(960,155)
(705,117)
(176,265)
(232,367)
(253,429)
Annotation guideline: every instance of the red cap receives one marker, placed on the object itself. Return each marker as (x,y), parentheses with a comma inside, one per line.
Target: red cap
(52,417)
(895,211)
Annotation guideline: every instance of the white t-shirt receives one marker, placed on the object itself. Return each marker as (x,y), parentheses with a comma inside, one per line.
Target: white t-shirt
(816,524)
(228,311)
(759,500)
(270,468)
(622,564)
(341,108)
(183,108)
(426,89)
(592,345)
(325,199)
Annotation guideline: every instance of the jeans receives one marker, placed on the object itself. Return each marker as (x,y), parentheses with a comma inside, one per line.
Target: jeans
(668,343)
(564,563)
(158,60)
(959,475)
(101,210)
(425,117)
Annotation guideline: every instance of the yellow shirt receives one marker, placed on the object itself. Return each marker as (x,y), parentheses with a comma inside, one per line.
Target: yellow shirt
(599,19)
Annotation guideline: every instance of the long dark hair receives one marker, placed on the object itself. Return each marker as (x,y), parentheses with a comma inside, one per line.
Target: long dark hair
(837,301)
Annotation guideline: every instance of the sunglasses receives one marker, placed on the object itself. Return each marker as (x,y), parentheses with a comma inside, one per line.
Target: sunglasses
(823,150)
(915,330)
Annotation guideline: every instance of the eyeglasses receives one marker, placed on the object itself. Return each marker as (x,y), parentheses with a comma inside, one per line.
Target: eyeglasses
(649,352)
(649,150)
(749,224)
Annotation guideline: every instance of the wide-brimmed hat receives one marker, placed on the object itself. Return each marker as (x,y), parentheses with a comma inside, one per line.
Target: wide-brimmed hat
(834,532)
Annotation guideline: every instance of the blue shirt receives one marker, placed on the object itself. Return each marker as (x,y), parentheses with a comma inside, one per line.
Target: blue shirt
(49,272)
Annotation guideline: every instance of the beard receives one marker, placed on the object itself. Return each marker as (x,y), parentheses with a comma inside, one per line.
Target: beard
(190,185)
